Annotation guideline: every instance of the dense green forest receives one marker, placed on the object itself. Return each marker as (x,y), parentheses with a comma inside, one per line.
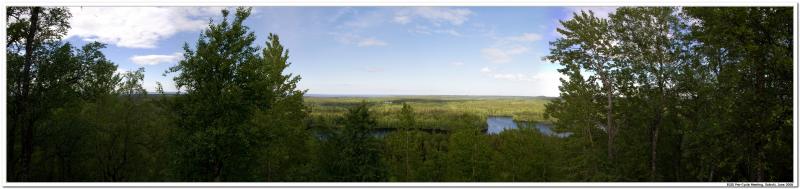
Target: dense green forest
(692,94)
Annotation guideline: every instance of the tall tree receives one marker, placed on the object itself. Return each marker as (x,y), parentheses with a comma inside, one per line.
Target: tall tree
(469,156)
(212,139)
(577,111)
(29,30)
(748,52)
(354,155)
(99,76)
(279,114)
(122,131)
(227,82)
(587,44)
(403,149)
(649,48)
(407,118)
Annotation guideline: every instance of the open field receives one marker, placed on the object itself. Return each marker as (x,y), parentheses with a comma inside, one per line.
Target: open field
(444,112)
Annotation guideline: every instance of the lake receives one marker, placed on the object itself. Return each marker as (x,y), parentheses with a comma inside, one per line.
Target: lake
(495,125)
(498,124)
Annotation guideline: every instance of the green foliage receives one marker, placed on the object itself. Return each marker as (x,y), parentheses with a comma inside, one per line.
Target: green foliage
(353,154)
(122,138)
(526,155)
(706,85)
(469,157)
(745,82)
(33,35)
(130,84)
(588,46)
(239,108)
(99,78)
(403,152)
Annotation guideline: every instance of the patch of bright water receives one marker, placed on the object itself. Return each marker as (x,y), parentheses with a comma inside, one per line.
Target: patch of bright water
(498,124)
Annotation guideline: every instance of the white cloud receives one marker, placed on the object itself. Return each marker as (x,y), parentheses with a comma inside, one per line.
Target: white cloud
(357,20)
(601,12)
(340,13)
(353,39)
(156,59)
(486,70)
(551,77)
(402,19)
(449,31)
(526,37)
(120,71)
(545,82)
(354,23)
(435,15)
(502,55)
(420,29)
(136,27)
(505,48)
(366,42)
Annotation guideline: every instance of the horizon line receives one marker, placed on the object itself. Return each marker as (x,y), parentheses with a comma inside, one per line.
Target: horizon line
(396,95)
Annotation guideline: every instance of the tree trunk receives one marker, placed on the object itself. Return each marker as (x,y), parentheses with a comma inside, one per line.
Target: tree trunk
(654,129)
(653,151)
(218,172)
(609,117)
(11,142)
(269,170)
(25,114)
(761,167)
(407,157)
(679,160)
(610,130)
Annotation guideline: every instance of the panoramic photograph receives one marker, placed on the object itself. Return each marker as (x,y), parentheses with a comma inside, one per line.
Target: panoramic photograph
(474,94)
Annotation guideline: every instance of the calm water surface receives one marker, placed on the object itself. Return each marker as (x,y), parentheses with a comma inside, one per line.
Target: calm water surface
(498,124)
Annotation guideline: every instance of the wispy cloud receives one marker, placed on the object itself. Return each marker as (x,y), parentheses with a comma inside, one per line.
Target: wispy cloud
(526,37)
(546,82)
(156,59)
(456,63)
(486,70)
(435,15)
(505,48)
(420,29)
(367,42)
(402,19)
(354,23)
(341,13)
(136,27)
(358,40)
(502,55)
(120,71)
(601,12)
(548,77)
(367,20)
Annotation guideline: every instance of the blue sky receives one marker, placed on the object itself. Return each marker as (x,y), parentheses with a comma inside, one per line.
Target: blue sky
(355,50)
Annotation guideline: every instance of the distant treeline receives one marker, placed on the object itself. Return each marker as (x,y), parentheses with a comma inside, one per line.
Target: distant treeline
(691,94)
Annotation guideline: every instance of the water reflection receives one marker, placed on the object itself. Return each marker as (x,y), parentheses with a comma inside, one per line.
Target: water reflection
(498,124)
